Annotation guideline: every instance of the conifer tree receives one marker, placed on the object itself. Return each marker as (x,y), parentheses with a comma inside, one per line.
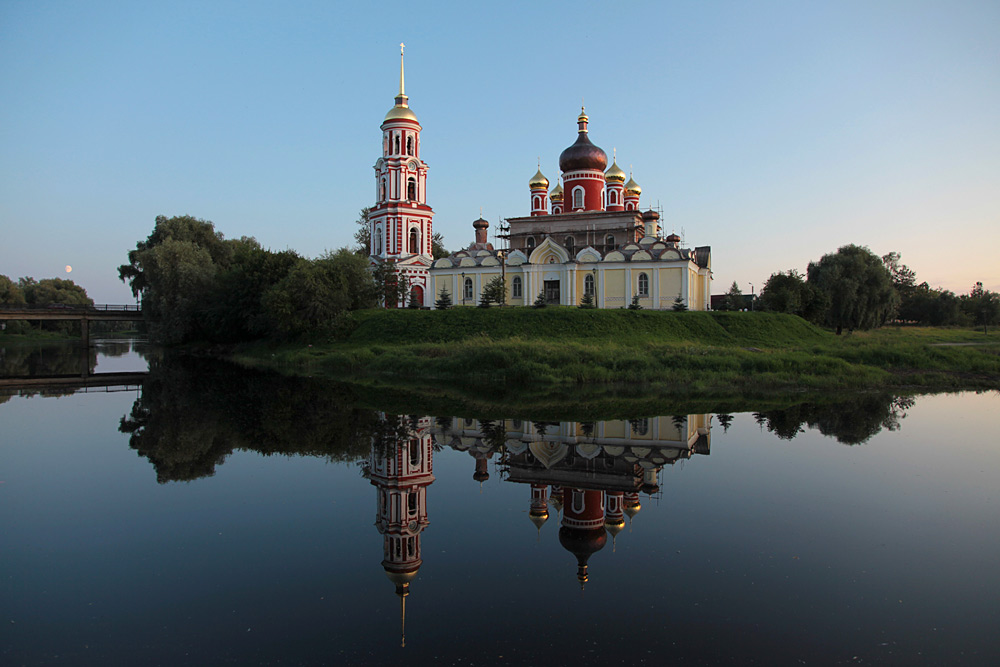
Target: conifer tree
(539,301)
(444,300)
(635,303)
(413,302)
(588,300)
(679,304)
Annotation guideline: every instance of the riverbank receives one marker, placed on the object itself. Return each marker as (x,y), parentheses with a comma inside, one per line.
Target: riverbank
(563,350)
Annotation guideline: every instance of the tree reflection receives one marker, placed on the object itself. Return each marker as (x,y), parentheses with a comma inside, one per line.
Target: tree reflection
(851,421)
(192,414)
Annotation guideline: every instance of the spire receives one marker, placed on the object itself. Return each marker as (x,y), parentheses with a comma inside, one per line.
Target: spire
(401,98)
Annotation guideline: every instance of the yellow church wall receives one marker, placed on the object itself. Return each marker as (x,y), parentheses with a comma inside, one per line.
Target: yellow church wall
(581,276)
(615,429)
(670,283)
(614,284)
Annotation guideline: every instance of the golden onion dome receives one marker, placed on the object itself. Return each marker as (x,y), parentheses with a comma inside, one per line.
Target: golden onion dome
(614,174)
(614,526)
(632,187)
(538,181)
(557,193)
(632,508)
(400,112)
(538,518)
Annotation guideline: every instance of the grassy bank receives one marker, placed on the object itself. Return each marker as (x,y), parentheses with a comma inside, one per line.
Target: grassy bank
(547,350)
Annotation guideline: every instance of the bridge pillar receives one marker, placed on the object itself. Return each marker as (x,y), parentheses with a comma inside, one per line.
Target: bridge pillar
(85,331)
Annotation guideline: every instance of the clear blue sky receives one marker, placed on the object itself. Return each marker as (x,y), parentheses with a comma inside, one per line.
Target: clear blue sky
(773,131)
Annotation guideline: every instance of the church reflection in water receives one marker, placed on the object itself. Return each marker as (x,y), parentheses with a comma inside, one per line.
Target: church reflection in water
(591,474)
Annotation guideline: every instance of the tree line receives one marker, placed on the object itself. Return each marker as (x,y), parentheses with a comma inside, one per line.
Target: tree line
(48,291)
(196,285)
(854,288)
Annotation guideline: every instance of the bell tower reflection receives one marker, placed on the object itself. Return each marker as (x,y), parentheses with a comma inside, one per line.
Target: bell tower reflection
(401,467)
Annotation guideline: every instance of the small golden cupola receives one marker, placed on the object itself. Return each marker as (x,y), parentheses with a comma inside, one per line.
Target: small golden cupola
(632,192)
(614,174)
(556,199)
(539,186)
(614,191)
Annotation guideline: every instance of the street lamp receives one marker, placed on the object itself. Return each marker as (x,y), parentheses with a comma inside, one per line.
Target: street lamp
(751,297)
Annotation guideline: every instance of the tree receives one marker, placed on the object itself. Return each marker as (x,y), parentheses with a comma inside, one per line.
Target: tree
(588,300)
(540,300)
(437,246)
(444,300)
(414,301)
(10,293)
(635,305)
(982,306)
(53,290)
(495,291)
(734,298)
(316,295)
(392,285)
(858,286)
(679,305)
(788,293)
(363,234)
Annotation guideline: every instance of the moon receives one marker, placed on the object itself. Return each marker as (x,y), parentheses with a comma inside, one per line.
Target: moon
(69,269)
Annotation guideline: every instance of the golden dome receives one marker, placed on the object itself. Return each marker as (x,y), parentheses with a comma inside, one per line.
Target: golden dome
(632,508)
(557,193)
(632,188)
(538,181)
(614,526)
(400,112)
(538,518)
(614,174)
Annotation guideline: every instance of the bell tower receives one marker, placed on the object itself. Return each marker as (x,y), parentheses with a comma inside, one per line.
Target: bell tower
(400,221)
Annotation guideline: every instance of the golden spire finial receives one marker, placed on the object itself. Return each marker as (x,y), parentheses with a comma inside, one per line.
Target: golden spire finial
(401,89)
(402,618)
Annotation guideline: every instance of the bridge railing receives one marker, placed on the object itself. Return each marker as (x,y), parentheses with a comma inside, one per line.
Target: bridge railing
(98,307)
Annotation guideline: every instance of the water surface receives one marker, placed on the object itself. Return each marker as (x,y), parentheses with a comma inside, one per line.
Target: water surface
(217,515)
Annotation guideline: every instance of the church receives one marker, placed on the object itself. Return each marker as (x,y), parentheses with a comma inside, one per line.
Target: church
(587,235)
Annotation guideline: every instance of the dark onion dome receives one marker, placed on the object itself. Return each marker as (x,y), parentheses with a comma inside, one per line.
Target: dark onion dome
(582,543)
(673,238)
(538,180)
(583,154)
(650,215)
(481,223)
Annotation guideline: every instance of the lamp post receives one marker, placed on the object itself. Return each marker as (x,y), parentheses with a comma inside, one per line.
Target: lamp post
(751,297)
(463,288)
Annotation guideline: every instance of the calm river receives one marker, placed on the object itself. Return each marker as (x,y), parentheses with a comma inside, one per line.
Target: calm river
(208,515)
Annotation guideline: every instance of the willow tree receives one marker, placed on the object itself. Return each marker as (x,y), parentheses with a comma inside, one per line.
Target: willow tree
(858,288)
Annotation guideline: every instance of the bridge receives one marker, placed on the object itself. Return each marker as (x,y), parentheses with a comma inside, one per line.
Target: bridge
(83,314)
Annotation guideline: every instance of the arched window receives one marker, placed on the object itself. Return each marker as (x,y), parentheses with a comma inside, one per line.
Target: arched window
(568,242)
(414,453)
(629,206)
(588,284)
(378,241)
(556,209)
(515,287)
(414,241)
(612,197)
(382,191)
(467,293)
(578,197)
(643,284)
(530,243)
(609,242)
(411,189)
(409,145)
(411,503)
(536,203)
